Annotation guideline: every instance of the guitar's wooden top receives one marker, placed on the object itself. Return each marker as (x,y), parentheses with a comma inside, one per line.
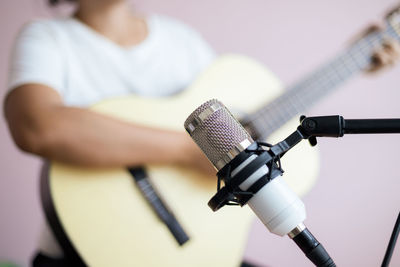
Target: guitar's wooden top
(109,222)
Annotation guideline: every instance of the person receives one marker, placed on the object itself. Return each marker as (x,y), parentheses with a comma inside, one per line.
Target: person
(61,66)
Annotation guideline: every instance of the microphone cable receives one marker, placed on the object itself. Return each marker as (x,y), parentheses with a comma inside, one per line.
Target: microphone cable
(313,250)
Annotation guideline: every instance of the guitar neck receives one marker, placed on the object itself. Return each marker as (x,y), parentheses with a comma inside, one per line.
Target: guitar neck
(302,95)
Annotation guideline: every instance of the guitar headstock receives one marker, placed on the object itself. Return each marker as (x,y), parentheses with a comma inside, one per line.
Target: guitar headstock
(393,21)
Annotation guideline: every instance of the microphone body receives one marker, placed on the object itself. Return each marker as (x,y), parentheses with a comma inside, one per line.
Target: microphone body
(226,144)
(275,204)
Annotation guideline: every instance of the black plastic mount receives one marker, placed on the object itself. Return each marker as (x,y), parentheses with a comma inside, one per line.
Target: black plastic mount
(268,155)
(231,194)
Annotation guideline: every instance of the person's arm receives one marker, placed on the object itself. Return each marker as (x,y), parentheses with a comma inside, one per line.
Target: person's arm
(42,125)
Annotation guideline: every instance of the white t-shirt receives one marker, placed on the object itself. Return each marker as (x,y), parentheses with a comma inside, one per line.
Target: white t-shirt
(86,67)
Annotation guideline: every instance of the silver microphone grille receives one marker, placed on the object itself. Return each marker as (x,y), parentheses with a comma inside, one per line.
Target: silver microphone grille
(219,135)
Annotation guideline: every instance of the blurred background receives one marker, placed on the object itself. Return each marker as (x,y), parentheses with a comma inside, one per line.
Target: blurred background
(353,206)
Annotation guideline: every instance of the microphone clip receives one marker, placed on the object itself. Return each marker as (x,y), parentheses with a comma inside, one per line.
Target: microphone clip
(230,194)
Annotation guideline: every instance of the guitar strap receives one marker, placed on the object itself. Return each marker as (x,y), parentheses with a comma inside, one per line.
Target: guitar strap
(158,205)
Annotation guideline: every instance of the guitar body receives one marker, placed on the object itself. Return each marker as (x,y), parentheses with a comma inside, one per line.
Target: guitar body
(110,224)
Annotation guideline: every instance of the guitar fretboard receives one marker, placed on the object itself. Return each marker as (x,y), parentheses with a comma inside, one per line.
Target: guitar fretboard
(305,93)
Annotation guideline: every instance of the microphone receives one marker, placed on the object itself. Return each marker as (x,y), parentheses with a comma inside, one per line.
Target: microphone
(251,176)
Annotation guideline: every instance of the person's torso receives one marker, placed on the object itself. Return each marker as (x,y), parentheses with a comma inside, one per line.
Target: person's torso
(95,68)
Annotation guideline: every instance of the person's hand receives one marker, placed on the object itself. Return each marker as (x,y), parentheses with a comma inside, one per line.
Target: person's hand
(193,157)
(385,55)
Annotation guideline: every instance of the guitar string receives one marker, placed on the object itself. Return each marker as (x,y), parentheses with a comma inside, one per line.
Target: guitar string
(359,60)
(327,81)
(356,58)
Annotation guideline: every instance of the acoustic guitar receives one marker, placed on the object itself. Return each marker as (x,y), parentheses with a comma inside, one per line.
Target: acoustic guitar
(101,219)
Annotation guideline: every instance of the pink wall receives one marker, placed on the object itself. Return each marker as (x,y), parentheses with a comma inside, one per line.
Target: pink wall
(352,208)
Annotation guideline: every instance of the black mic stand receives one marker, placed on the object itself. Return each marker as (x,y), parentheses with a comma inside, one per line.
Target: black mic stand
(310,128)
(336,126)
